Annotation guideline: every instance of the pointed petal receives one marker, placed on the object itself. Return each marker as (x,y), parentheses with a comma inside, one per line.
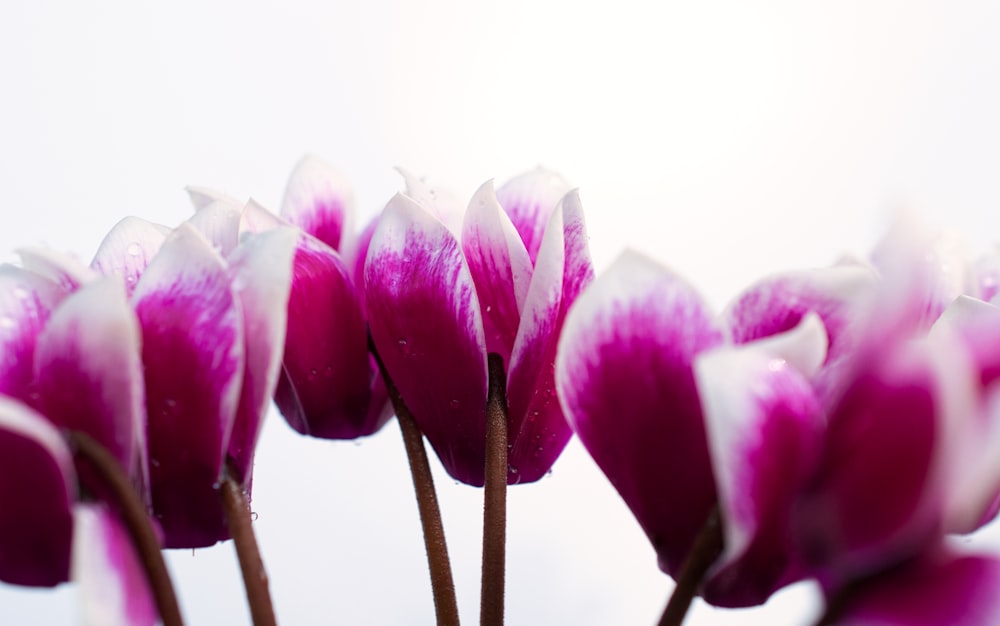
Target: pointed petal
(89,372)
(624,377)
(500,268)
(261,271)
(529,200)
(765,429)
(440,203)
(257,219)
(37,485)
(192,352)
(111,583)
(939,588)
(426,323)
(65,270)
(538,432)
(319,201)
(325,386)
(219,222)
(128,249)
(202,197)
(26,303)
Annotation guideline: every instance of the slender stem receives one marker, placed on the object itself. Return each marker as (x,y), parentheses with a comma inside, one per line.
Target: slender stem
(706,549)
(442,584)
(239,518)
(491,606)
(136,519)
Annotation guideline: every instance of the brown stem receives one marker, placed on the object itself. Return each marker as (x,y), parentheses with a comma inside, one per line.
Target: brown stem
(136,519)
(442,584)
(706,549)
(491,606)
(239,518)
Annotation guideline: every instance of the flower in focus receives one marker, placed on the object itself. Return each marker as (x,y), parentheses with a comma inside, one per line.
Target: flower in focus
(439,302)
(212,316)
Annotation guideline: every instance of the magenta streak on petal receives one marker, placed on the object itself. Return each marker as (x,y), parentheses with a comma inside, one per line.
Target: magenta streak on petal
(318,200)
(529,200)
(938,588)
(625,381)
(261,271)
(90,377)
(36,482)
(355,255)
(425,321)
(499,266)
(128,248)
(111,583)
(872,502)
(193,356)
(325,386)
(765,429)
(538,431)
(26,302)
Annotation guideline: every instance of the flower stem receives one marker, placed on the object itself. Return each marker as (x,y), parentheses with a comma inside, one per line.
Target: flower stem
(442,584)
(491,608)
(706,549)
(239,518)
(136,519)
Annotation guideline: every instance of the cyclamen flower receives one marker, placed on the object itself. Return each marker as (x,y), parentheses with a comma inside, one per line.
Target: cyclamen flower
(438,303)
(682,419)
(212,328)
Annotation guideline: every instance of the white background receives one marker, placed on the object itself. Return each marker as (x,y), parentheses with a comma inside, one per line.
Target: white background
(725,139)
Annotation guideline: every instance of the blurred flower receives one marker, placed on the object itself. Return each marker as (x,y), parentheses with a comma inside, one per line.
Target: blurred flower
(439,302)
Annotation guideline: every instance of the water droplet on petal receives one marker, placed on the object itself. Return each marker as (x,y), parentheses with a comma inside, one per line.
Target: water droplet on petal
(511,469)
(133,249)
(455,404)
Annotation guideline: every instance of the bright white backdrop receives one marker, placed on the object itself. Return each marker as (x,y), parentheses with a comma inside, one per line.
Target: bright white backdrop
(726,140)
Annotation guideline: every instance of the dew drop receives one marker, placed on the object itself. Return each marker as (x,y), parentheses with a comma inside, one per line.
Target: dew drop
(489,308)
(402,342)
(133,249)
(455,404)
(511,469)
(253,516)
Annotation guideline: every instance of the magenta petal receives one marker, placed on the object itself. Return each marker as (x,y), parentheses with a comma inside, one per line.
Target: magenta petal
(765,429)
(325,385)
(538,432)
(261,270)
(128,248)
(319,201)
(938,588)
(529,200)
(37,486)
(426,323)
(625,380)
(875,497)
(193,356)
(110,580)
(500,268)
(26,302)
(89,372)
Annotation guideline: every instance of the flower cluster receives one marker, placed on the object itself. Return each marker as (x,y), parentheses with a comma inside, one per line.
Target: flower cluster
(837,424)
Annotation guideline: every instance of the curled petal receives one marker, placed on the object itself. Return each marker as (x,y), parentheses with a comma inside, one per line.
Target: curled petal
(128,249)
(538,432)
(764,428)
(26,303)
(325,385)
(193,355)
(37,487)
(500,268)
(939,588)
(529,200)
(426,324)
(261,271)
(319,201)
(112,587)
(65,270)
(625,381)
(89,372)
